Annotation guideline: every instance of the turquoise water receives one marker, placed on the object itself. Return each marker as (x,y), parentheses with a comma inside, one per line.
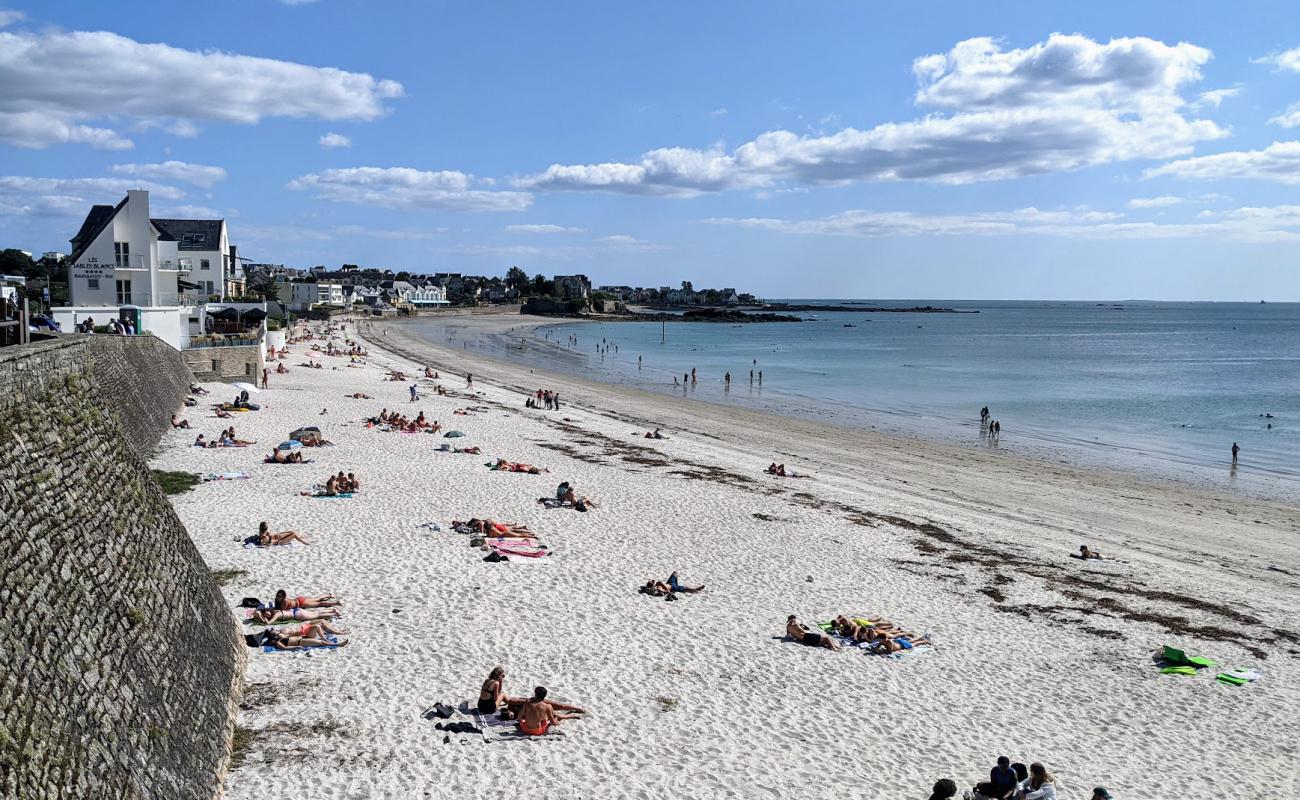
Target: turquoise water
(1161,388)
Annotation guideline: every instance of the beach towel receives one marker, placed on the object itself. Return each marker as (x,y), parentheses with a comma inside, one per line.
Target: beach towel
(1176,657)
(1239,677)
(331,496)
(503,730)
(225,476)
(254,546)
(524,551)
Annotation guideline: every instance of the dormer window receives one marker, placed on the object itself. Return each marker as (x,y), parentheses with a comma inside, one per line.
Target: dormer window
(194,239)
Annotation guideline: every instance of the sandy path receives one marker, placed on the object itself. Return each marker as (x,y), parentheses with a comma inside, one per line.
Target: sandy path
(1040,657)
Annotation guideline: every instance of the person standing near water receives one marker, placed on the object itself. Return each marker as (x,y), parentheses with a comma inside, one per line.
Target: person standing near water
(726,379)
(760,377)
(1235,450)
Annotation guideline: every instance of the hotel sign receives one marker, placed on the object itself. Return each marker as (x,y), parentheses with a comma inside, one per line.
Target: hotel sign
(92,268)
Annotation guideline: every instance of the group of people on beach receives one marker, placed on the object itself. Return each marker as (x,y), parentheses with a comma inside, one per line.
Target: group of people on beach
(226,438)
(880,636)
(296,623)
(535,715)
(544,399)
(1011,781)
(396,421)
(335,485)
(988,425)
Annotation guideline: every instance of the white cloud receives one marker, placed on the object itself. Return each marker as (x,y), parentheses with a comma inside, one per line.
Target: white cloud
(332,140)
(407,188)
(22,195)
(543,228)
(387,233)
(1215,97)
(1279,162)
(1288,59)
(186,212)
(197,174)
(718,112)
(1163,201)
(56,82)
(621,239)
(8,17)
(1066,103)
(1289,119)
(1274,224)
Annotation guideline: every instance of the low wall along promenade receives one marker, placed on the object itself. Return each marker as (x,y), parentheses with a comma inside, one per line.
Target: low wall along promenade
(119,661)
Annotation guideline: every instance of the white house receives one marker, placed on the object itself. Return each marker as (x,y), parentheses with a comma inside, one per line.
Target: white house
(305,295)
(202,246)
(427,296)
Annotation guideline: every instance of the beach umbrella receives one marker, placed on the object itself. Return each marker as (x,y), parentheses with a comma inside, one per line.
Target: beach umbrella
(245,386)
(292,444)
(229,312)
(453,434)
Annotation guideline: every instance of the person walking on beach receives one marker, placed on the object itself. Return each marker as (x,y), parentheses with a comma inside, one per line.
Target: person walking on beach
(751,377)
(414,396)
(1235,450)
(469,379)
(266,374)
(760,377)
(726,379)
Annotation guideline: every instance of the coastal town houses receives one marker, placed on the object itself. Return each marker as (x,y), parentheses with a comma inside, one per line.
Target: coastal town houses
(308,293)
(156,272)
(571,287)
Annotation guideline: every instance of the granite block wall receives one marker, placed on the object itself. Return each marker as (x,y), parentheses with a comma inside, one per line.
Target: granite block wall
(120,663)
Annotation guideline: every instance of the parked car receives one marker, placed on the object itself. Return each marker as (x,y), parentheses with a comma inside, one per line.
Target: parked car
(40,322)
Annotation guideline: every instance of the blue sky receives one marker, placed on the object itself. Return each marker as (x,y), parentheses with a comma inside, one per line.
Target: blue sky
(1044,150)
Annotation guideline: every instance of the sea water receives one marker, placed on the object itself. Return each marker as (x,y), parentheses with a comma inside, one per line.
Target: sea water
(1154,388)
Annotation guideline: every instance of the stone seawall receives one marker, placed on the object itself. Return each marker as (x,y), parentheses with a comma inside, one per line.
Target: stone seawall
(242,363)
(119,661)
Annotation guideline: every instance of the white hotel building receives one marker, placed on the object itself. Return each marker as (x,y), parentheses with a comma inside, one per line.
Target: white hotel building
(159,271)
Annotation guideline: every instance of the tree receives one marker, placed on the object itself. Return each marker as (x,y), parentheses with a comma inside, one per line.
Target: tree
(686,286)
(516,278)
(262,284)
(540,284)
(16,262)
(403,276)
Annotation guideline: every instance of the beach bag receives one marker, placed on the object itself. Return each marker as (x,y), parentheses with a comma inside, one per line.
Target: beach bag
(250,602)
(580,506)
(561,490)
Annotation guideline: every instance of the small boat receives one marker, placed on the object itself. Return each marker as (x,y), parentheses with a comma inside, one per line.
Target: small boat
(850,325)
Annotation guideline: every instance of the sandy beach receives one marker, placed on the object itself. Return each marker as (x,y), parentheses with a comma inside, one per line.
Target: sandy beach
(1036,655)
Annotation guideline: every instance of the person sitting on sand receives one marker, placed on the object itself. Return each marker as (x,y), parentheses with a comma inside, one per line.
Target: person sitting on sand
(177,422)
(267,538)
(201,441)
(492,696)
(283,600)
(565,494)
(1040,785)
(196,389)
(500,530)
(1001,783)
(802,634)
(269,616)
(223,414)
(1086,553)
(536,715)
(311,634)
(280,369)
(655,434)
(229,439)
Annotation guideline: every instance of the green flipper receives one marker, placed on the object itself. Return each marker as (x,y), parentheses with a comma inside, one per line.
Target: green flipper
(1175,656)
(1231,680)
(1183,670)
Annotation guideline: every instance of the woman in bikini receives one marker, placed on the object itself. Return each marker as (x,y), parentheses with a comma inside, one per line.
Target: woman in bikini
(268,616)
(492,696)
(311,634)
(267,538)
(283,600)
(501,530)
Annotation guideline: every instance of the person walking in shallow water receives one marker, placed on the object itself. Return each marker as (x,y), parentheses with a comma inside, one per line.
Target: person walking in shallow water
(1235,450)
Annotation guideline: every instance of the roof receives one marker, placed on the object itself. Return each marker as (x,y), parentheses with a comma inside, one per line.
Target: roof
(96,221)
(191,234)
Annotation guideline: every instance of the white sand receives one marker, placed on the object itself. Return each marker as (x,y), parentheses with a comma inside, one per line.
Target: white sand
(699,698)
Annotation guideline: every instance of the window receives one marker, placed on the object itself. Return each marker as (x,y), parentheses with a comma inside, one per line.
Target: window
(92,283)
(123,292)
(122,252)
(204,264)
(193,239)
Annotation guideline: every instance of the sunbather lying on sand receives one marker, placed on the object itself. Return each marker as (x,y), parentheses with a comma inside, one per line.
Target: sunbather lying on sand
(850,628)
(471,450)
(268,616)
(884,643)
(283,457)
(283,600)
(222,413)
(804,635)
(359,396)
(267,538)
(780,471)
(1086,553)
(516,466)
(229,439)
(677,586)
(311,634)
(655,588)
(196,389)
(502,530)
(655,434)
